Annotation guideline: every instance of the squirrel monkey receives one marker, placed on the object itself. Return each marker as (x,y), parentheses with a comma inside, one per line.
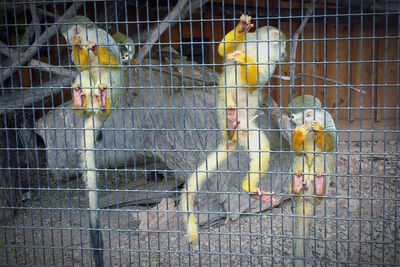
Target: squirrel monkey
(253,57)
(126,47)
(96,90)
(314,135)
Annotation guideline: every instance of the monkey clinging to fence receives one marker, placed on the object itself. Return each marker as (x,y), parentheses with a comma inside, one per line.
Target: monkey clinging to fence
(313,136)
(96,91)
(251,60)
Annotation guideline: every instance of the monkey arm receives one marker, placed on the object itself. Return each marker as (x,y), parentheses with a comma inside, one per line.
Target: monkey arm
(298,137)
(106,58)
(323,140)
(248,72)
(229,42)
(80,57)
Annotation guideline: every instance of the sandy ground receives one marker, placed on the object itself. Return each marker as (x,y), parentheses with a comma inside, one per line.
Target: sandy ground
(357,224)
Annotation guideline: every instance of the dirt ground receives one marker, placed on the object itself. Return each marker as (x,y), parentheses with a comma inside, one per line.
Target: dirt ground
(357,224)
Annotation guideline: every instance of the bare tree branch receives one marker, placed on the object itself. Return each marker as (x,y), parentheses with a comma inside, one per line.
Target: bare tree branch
(332,81)
(179,10)
(47,13)
(30,52)
(295,39)
(60,70)
(299,75)
(35,21)
(63,71)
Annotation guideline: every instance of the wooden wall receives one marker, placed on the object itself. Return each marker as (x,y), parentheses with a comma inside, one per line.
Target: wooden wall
(364,56)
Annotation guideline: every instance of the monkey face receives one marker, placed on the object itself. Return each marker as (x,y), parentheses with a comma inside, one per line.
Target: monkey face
(126,57)
(305,117)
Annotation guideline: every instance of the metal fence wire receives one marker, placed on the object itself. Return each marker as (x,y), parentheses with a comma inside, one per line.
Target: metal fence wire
(198,132)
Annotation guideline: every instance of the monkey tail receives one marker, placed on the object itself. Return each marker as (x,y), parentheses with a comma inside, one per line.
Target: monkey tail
(194,183)
(96,240)
(304,210)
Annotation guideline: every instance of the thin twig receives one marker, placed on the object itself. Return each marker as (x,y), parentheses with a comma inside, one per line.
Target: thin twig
(35,21)
(332,81)
(179,10)
(47,34)
(300,75)
(295,39)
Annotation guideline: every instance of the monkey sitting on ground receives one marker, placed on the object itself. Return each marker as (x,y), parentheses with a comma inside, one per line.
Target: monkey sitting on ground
(313,136)
(252,59)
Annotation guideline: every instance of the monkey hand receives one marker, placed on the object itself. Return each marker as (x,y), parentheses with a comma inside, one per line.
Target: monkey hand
(316,126)
(238,57)
(298,137)
(232,121)
(92,46)
(245,23)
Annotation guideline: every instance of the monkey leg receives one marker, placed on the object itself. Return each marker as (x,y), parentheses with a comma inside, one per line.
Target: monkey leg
(319,179)
(258,146)
(193,185)
(301,178)
(298,182)
(319,184)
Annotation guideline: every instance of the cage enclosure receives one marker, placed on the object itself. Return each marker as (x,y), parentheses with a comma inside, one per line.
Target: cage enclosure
(198,132)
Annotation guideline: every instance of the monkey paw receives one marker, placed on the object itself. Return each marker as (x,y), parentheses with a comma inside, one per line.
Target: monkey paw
(245,23)
(267,197)
(92,46)
(237,56)
(316,126)
(302,129)
(102,87)
(232,118)
(319,184)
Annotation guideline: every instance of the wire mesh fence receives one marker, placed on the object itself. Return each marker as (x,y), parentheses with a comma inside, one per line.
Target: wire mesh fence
(199,132)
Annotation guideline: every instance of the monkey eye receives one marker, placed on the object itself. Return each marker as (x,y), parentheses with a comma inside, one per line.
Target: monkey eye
(308,115)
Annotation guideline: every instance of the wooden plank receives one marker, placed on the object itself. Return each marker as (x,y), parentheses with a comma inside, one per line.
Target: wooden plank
(337,69)
(386,73)
(361,50)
